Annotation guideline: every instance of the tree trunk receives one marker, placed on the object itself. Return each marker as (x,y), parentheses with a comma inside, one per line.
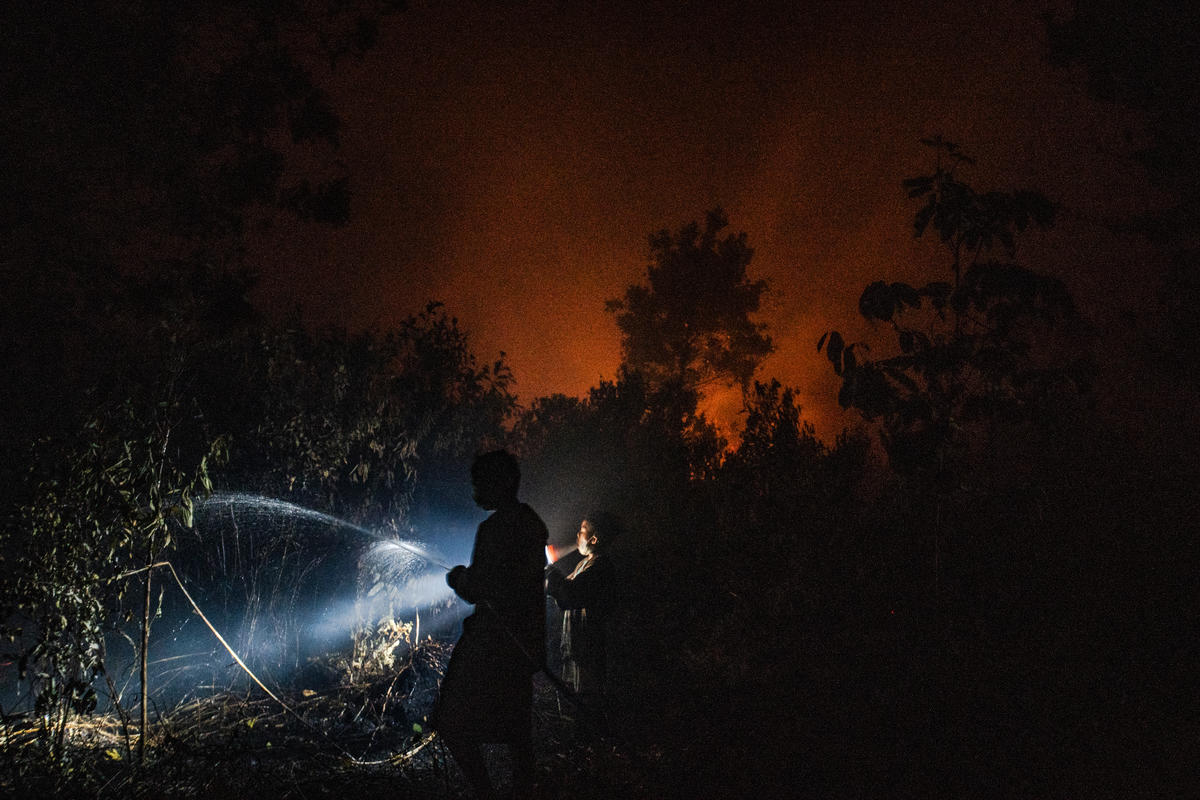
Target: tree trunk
(141,748)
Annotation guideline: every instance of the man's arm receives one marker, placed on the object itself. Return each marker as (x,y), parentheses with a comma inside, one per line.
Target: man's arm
(590,588)
(506,562)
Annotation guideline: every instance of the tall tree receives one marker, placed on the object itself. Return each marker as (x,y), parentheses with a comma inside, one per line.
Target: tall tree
(141,140)
(972,350)
(691,323)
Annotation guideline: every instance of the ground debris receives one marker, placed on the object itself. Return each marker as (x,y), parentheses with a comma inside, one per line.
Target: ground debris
(370,735)
(244,744)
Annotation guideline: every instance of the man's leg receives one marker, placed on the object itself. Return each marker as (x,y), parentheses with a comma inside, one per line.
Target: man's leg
(523,764)
(453,719)
(590,715)
(468,752)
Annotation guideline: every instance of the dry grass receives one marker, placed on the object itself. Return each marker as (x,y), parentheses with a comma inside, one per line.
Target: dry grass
(371,735)
(245,744)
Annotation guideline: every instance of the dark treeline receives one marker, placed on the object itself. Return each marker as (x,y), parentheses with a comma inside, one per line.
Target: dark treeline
(969,604)
(985,589)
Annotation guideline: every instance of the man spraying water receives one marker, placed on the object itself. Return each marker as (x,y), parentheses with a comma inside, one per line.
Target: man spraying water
(487,693)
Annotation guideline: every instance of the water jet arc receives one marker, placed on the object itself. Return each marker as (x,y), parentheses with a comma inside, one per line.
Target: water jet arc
(285,508)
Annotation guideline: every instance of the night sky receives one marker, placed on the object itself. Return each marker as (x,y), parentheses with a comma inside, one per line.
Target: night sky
(511,159)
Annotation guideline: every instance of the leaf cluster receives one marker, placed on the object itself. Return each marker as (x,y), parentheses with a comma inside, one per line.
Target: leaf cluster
(100,508)
(970,220)
(969,350)
(343,421)
(691,321)
(334,421)
(630,446)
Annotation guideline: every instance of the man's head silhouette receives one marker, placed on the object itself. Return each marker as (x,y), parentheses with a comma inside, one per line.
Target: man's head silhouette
(495,478)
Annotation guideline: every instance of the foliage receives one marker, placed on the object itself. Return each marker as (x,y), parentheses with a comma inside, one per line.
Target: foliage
(775,436)
(103,508)
(343,422)
(783,488)
(147,139)
(179,117)
(358,426)
(374,654)
(336,422)
(690,324)
(978,351)
(628,446)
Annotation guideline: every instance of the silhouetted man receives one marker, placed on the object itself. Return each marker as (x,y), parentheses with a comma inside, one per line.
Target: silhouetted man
(487,693)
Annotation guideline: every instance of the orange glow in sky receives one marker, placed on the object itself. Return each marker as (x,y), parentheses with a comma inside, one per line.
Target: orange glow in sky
(511,161)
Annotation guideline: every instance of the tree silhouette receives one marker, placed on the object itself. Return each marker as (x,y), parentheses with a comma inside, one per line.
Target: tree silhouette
(971,350)
(627,446)
(690,324)
(143,140)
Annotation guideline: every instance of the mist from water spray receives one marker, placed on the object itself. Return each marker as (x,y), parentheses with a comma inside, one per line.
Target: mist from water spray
(397,571)
(287,584)
(271,507)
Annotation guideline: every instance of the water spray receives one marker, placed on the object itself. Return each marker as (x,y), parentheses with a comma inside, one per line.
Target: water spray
(383,544)
(292,510)
(398,573)
(287,509)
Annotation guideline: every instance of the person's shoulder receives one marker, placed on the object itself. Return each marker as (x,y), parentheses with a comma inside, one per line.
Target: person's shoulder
(525,511)
(530,518)
(520,514)
(603,565)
